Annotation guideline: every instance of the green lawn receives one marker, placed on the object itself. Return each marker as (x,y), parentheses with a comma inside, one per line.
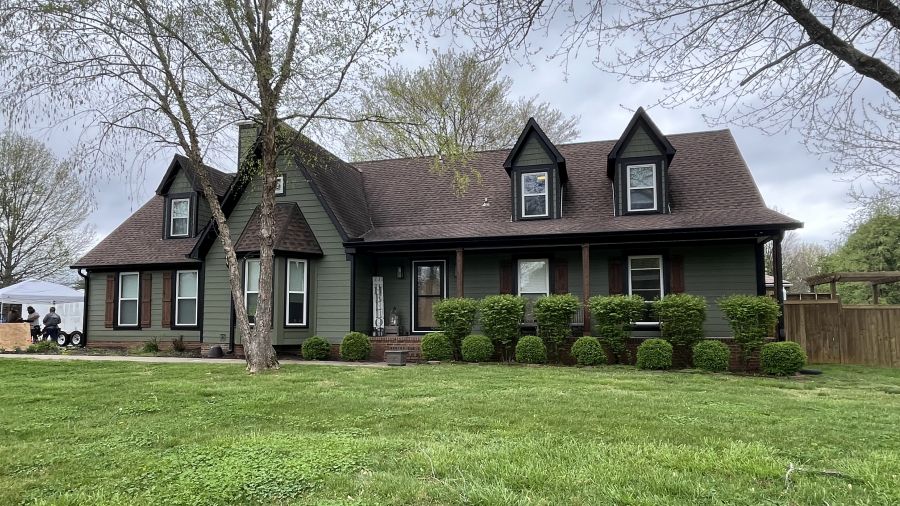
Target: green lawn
(126,433)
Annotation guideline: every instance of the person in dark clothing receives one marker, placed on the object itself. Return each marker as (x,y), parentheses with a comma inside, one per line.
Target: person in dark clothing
(14,316)
(51,324)
(35,320)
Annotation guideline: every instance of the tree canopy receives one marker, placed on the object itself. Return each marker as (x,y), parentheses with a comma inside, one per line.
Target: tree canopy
(873,246)
(44,206)
(459,102)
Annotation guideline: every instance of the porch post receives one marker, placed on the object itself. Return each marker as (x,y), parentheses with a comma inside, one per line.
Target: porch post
(586,286)
(459,273)
(779,283)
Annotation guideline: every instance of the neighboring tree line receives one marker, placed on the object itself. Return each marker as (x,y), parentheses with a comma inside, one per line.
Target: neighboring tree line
(44,207)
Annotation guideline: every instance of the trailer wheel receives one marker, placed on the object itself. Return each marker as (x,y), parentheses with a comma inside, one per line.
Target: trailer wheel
(76,339)
(62,339)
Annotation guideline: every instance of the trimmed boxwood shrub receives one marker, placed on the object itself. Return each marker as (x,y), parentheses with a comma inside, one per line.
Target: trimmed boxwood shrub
(436,346)
(711,355)
(588,351)
(752,318)
(315,348)
(500,319)
(654,354)
(355,346)
(477,348)
(681,318)
(531,350)
(553,315)
(455,318)
(613,316)
(782,359)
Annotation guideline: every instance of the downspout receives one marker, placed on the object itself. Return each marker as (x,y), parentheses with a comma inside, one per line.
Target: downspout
(84,317)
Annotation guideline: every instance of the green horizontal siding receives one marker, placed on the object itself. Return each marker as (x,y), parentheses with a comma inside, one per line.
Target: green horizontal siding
(640,144)
(97,314)
(532,153)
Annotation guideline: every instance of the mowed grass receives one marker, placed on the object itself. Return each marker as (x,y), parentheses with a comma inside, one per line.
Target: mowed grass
(127,433)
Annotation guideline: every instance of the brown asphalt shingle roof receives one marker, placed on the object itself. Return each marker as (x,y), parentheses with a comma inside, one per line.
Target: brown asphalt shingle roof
(709,185)
(139,240)
(292,232)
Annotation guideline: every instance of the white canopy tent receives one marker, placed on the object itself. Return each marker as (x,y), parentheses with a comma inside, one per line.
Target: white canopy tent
(43,294)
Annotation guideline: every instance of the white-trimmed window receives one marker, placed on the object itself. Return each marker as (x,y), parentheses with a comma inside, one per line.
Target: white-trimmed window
(295,310)
(641,180)
(534,195)
(251,287)
(645,276)
(129,291)
(186,293)
(279,185)
(534,278)
(180,213)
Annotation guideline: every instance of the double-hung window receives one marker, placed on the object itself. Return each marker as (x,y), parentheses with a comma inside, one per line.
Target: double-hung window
(129,290)
(295,312)
(534,278)
(180,217)
(186,290)
(251,287)
(534,195)
(645,276)
(641,181)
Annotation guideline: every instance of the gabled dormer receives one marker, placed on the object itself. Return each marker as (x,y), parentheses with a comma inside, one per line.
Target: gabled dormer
(537,175)
(638,167)
(186,211)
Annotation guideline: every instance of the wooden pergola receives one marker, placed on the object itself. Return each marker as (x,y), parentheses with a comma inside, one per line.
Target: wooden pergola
(876,279)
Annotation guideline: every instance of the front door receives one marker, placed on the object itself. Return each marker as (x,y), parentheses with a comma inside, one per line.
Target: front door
(429,287)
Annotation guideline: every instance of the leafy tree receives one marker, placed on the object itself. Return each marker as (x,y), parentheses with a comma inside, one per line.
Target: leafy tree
(873,246)
(829,67)
(456,105)
(179,74)
(800,260)
(44,203)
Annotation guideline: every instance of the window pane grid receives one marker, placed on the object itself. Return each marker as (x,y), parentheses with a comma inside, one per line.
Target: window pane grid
(428,290)
(641,180)
(129,288)
(295,311)
(534,194)
(251,288)
(186,289)
(645,276)
(180,217)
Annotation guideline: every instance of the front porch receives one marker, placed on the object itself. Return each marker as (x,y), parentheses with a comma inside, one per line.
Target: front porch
(411,282)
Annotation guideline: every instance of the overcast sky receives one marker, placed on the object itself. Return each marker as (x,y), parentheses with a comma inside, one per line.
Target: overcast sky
(790,178)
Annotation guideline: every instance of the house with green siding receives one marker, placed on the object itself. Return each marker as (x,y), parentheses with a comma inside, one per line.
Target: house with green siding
(372,246)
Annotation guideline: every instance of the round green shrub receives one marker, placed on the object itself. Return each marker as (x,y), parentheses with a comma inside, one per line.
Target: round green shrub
(711,355)
(588,351)
(531,350)
(355,346)
(436,346)
(477,348)
(782,359)
(315,348)
(654,354)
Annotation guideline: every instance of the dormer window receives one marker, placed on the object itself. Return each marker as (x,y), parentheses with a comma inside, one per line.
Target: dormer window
(641,180)
(534,195)
(180,217)
(537,176)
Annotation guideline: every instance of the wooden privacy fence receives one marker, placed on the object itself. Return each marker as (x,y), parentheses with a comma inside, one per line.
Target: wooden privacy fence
(833,333)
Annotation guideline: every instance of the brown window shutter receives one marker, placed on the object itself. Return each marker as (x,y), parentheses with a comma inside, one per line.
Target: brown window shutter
(146,296)
(110,301)
(167,300)
(676,274)
(560,276)
(506,277)
(616,276)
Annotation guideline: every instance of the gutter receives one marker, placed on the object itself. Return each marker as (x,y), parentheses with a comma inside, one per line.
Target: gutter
(87,297)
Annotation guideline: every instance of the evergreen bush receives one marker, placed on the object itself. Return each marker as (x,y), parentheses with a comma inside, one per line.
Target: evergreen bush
(315,348)
(501,316)
(782,359)
(355,346)
(477,348)
(553,314)
(613,317)
(711,355)
(588,351)
(654,354)
(436,346)
(531,350)
(455,318)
